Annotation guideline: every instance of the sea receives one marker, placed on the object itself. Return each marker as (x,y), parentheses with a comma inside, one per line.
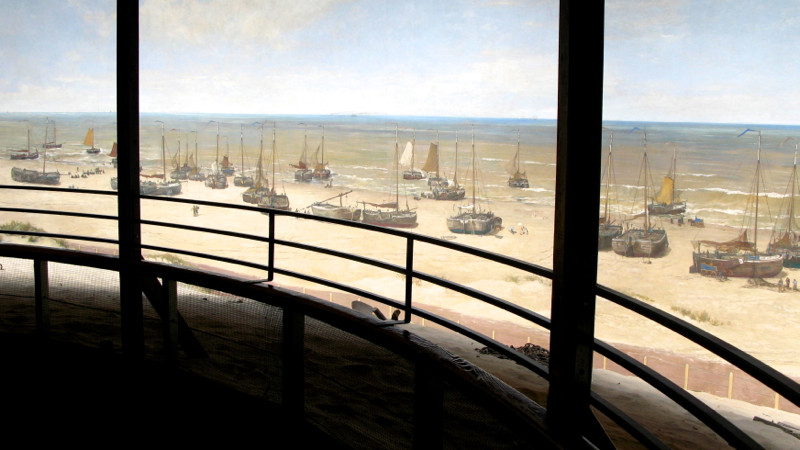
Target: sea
(715,164)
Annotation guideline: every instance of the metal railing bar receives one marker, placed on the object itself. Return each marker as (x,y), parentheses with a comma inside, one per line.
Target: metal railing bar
(205,230)
(237,262)
(775,380)
(628,424)
(361,259)
(59,213)
(689,402)
(517,310)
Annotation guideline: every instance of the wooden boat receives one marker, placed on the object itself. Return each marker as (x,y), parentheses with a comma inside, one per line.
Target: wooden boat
(325,209)
(50,144)
(647,241)
(273,199)
(195,174)
(25,153)
(738,257)
(216,179)
(34,176)
(303,172)
(321,170)
(431,166)
(242,179)
(393,216)
(260,187)
(163,187)
(666,202)
(517,179)
(89,140)
(447,191)
(181,171)
(471,219)
(407,160)
(607,229)
(785,240)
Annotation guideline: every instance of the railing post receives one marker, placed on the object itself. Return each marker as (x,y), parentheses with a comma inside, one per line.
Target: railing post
(42,296)
(169,320)
(293,394)
(271,247)
(409,277)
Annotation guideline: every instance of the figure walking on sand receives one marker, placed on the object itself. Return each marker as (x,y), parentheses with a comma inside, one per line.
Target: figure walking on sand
(196,210)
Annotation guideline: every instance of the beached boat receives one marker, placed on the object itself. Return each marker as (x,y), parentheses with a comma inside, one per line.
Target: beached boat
(325,209)
(47,143)
(321,170)
(25,153)
(666,202)
(242,179)
(260,187)
(646,241)
(273,199)
(181,171)
(407,160)
(517,179)
(164,186)
(303,172)
(607,229)
(34,176)
(431,166)
(738,257)
(216,179)
(195,174)
(113,155)
(89,140)
(785,239)
(392,216)
(471,219)
(447,191)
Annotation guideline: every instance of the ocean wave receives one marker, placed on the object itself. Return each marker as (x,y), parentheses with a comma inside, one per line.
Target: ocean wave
(738,192)
(704,175)
(728,212)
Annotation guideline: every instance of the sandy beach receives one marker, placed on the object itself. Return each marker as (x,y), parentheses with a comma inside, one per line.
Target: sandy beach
(759,320)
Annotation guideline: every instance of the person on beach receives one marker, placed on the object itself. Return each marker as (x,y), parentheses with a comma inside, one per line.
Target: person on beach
(196,210)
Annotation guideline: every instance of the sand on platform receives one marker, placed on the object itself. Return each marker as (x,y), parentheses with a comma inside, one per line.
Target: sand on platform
(759,320)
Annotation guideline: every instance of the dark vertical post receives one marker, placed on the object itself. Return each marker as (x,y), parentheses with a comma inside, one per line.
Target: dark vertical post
(271,246)
(409,278)
(128,209)
(578,158)
(41,294)
(169,320)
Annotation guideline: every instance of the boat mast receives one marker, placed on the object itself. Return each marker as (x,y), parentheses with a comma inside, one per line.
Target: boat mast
(516,169)
(608,175)
(474,172)
(163,153)
(413,143)
(758,180)
(396,171)
(241,145)
(273,156)
(455,171)
(646,211)
(674,168)
(437,153)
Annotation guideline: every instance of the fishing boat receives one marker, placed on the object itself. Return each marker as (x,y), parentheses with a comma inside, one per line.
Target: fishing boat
(195,174)
(646,241)
(607,229)
(517,179)
(181,171)
(113,155)
(89,140)
(242,179)
(162,187)
(739,257)
(274,200)
(785,239)
(325,209)
(260,187)
(34,176)
(393,216)
(407,160)
(216,179)
(471,219)
(50,144)
(303,172)
(25,153)
(321,170)
(431,166)
(666,202)
(447,191)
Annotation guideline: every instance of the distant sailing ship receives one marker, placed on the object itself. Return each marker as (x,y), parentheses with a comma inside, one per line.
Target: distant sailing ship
(181,171)
(50,144)
(393,216)
(242,179)
(785,239)
(89,140)
(216,179)
(25,153)
(447,191)
(407,160)
(472,220)
(163,187)
(431,166)
(739,257)
(34,176)
(607,229)
(646,241)
(666,201)
(321,170)
(274,200)
(517,179)
(303,173)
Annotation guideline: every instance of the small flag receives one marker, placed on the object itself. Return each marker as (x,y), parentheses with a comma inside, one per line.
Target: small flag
(745,131)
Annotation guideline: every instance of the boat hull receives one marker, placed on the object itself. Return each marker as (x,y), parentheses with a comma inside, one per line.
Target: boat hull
(474,223)
(518,183)
(34,176)
(400,219)
(155,188)
(254,195)
(303,175)
(24,155)
(448,193)
(606,233)
(336,212)
(437,181)
(217,181)
(245,181)
(735,265)
(639,243)
(274,201)
(413,175)
(659,209)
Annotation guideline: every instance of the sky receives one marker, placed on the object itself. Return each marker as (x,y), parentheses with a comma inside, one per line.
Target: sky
(729,61)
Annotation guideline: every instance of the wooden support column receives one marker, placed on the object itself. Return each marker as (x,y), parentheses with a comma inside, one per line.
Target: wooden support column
(41,278)
(578,159)
(128,208)
(169,320)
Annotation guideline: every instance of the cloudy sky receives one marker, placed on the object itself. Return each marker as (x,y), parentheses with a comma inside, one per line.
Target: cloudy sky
(666,60)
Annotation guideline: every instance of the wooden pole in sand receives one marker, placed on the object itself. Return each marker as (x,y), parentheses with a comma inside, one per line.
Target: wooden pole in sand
(580,116)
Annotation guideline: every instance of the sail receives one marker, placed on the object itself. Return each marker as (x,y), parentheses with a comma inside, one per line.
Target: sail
(408,152)
(512,168)
(225,162)
(113,153)
(432,163)
(666,194)
(89,138)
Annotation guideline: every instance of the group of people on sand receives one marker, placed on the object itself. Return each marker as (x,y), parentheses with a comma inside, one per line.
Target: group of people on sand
(785,287)
(519,228)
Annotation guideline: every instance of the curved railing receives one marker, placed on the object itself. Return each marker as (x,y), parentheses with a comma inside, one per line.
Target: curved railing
(771,378)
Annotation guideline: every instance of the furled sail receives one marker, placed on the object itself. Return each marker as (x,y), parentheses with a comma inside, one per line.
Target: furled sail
(408,152)
(432,163)
(667,191)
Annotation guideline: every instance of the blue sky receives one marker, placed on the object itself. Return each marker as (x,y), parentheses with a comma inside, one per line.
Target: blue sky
(666,60)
